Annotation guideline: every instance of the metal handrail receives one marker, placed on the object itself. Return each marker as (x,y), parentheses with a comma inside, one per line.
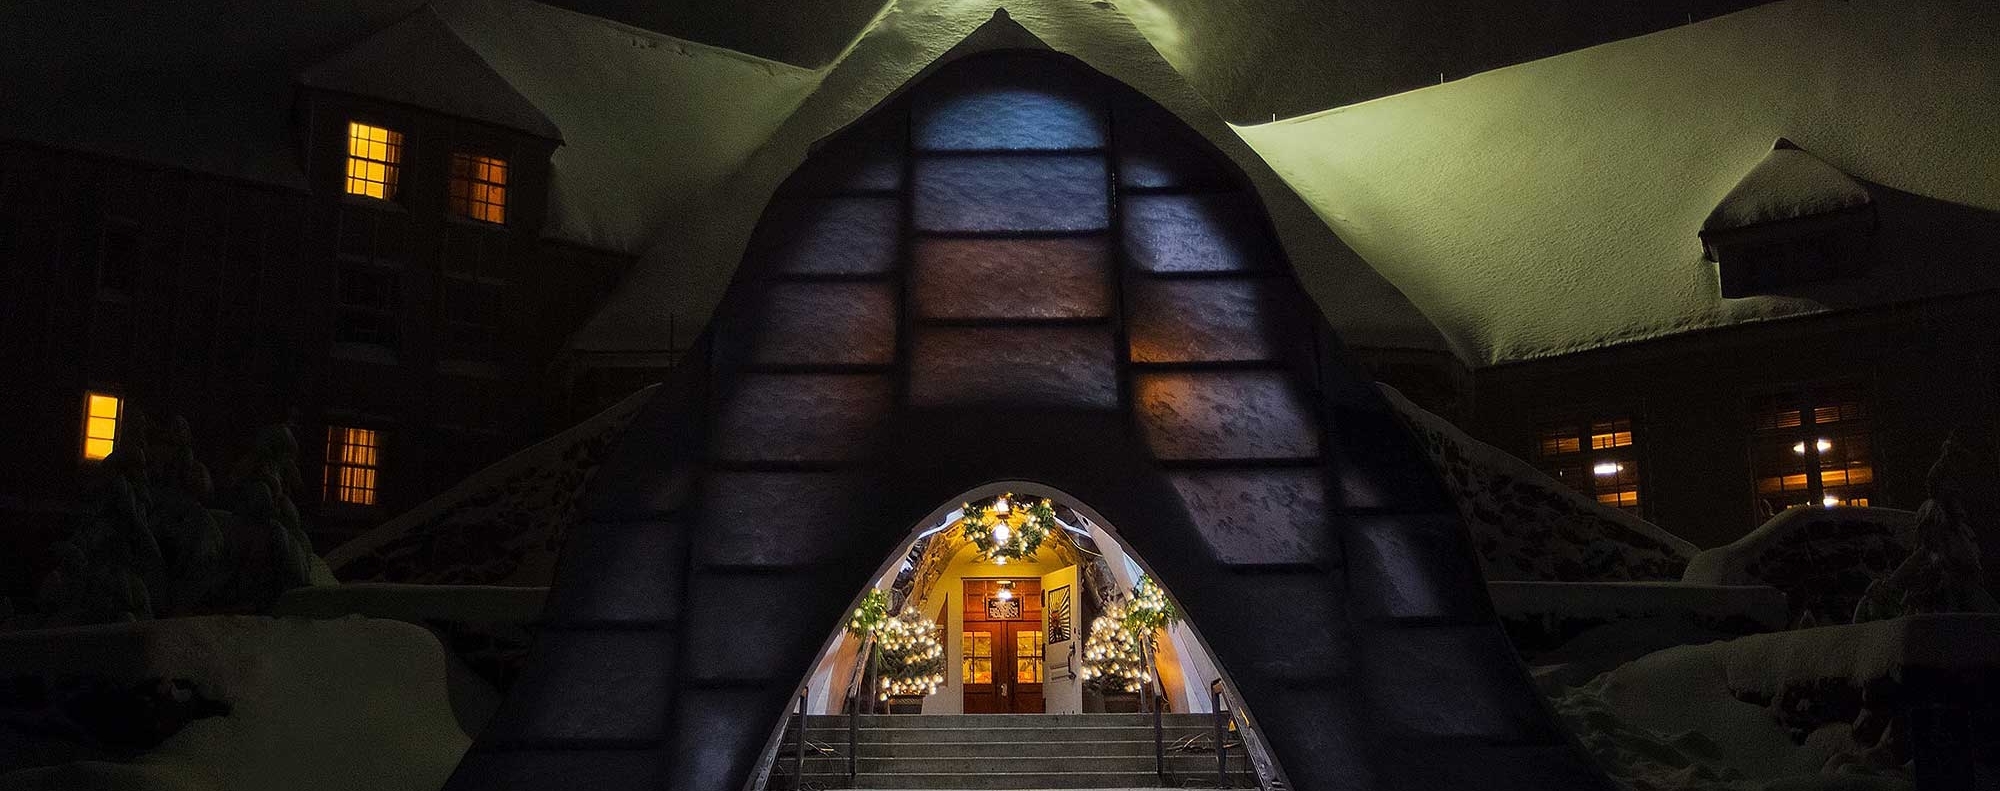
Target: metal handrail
(799,759)
(1221,733)
(853,732)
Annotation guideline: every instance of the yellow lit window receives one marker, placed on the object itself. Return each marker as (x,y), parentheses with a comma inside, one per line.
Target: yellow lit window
(1028,648)
(374,159)
(1606,434)
(1811,447)
(351,463)
(976,657)
(1596,457)
(479,187)
(100,424)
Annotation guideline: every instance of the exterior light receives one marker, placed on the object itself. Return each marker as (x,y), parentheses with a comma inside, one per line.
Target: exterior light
(1608,468)
(1799,448)
(1830,501)
(1824,445)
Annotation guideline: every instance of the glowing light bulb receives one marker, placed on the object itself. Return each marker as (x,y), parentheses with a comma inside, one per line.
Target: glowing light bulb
(1830,501)
(1000,532)
(1824,445)
(1000,505)
(999,561)
(1006,592)
(1799,448)
(1608,468)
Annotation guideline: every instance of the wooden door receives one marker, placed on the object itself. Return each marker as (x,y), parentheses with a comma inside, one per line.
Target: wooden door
(1002,651)
(1027,651)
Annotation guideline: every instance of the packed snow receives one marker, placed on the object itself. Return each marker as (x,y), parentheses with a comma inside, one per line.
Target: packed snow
(500,526)
(1788,184)
(313,705)
(1527,526)
(1805,709)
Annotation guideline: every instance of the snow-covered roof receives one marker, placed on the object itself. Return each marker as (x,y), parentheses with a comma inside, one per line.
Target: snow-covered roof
(420,61)
(1459,212)
(1554,206)
(1789,184)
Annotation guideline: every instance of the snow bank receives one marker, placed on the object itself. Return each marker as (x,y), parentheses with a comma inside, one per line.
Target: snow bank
(1527,526)
(500,526)
(1823,558)
(1620,601)
(417,603)
(1753,713)
(315,705)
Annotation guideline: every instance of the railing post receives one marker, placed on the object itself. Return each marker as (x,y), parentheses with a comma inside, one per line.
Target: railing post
(1221,732)
(799,762)
(1159,745)
(853,736)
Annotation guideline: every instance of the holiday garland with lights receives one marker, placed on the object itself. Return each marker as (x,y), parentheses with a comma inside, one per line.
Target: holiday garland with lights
(909,659)
(912,658)
(1004,531)
(1118,653)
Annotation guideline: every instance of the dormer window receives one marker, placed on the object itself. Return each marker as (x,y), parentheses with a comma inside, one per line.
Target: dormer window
(479,187)
(374,160)
(1792,220)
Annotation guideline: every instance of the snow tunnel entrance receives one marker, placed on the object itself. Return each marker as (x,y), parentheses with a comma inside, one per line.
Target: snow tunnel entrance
(1019,270)
(1013,640)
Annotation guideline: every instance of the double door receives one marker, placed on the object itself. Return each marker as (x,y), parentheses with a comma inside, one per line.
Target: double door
(1002,660)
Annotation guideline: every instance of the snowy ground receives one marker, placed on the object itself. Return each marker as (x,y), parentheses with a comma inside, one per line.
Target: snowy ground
(331,705)
(1527,526)
(1767,711)
(500,526)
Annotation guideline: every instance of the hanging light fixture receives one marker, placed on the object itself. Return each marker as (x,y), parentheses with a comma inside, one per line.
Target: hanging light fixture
(1006,591)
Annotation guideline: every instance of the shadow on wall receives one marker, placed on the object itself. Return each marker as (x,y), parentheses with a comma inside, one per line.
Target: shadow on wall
(1923,246)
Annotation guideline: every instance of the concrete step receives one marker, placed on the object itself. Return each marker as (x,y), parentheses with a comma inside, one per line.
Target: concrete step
(1183,764)
(975,749)
(1034,780)
(999,734)
(1007,720)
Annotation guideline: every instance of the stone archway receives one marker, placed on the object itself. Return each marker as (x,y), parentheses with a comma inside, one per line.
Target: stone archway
(1020,270)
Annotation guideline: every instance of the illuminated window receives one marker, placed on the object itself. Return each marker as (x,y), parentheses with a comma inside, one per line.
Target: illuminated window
(1596,457)
(479,187)
(374,158)
(1028,649)
(1811,448)
(976,660)
(102,412)
(351,463)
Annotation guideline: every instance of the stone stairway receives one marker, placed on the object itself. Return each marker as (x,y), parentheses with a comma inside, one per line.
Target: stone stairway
(1006,751)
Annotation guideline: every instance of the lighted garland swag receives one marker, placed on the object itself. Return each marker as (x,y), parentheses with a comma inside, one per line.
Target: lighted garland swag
(909,659)
(1020,538)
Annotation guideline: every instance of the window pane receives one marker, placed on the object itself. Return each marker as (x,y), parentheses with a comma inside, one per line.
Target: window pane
(373,156)
(100,424)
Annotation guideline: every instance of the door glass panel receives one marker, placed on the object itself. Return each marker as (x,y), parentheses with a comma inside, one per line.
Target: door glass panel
(1028,657)
(976,648)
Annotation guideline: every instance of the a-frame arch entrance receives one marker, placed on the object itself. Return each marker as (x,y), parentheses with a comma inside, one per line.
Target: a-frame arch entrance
(1020,270)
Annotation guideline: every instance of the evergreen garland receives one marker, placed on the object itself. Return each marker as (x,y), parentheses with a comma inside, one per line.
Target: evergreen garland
(1118,653)
(1010,534)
